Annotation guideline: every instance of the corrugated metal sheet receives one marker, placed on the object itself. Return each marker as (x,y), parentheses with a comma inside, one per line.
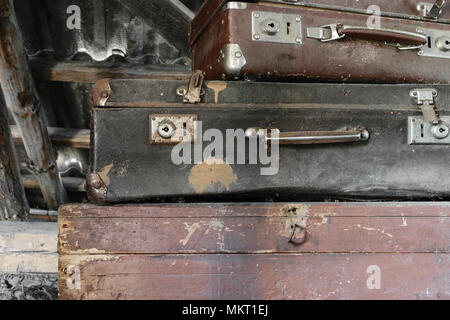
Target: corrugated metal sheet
(124,28)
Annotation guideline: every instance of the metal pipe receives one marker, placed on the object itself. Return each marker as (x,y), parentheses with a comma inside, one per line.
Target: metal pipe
(13,202)
(22,100)
(70,183)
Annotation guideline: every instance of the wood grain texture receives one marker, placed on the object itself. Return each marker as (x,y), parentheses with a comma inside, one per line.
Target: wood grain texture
(254,235)
(241,251)
(22,101)
(13,202)
(86,72)
(326,276)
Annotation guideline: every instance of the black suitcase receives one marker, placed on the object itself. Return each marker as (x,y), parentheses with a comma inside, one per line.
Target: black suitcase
(329,141)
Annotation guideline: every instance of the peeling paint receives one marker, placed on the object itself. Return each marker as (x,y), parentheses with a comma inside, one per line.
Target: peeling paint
(104,174)
(213,172)
(191,230)
(217,87)
(405,223)
(377,230)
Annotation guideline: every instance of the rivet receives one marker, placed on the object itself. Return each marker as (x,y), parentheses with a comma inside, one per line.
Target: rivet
(256,37)
(298,19)
(238,54)
(299,40)
(256,15)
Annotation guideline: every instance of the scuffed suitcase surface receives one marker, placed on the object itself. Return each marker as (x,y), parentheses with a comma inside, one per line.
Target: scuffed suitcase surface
(345,60)
(385,167)
(242,251)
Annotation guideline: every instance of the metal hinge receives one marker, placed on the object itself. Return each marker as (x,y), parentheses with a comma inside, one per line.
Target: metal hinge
(194,90)
(431,128)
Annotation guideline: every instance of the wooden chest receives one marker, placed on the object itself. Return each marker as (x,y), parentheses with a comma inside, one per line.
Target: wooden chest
(255,251)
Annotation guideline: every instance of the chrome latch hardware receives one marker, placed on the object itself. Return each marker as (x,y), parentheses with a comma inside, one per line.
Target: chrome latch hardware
(431,128)
(421,132)
(194,91)
(431,10)
(325,33)
(276,27)
(424,98)
(172,129)
(438,45)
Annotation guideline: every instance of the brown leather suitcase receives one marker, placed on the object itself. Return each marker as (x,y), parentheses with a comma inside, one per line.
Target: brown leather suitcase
(314,41)
(255,251)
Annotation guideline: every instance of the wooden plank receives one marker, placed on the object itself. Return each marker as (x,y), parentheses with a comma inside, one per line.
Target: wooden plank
(23,102)
(88,72)
(28,247)
(241,251)
(253,235)
(236,277)
(13,202)
(342,209)
(76,138)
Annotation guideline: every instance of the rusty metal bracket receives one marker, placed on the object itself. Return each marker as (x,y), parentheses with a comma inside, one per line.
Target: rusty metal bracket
(303,236)
(194,91)
(101,93)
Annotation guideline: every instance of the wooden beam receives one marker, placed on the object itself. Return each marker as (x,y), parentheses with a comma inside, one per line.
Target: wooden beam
(76,138)
(89,72)
(22,100)
(28,261)
(13,203)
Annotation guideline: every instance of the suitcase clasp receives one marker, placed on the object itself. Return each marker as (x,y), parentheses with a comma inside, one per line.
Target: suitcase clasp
(431,128)
(431,10)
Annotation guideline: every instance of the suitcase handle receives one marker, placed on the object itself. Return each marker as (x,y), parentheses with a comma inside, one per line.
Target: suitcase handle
(312,137)
(403,39)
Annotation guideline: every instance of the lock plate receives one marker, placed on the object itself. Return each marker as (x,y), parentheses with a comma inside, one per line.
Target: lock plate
(277,27)
(438,45)
(172,129)
(421,132)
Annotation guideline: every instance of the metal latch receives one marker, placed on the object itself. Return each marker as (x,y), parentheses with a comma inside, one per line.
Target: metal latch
(276,27)
(431,128)
(194,90)
(172,129)
(431,10)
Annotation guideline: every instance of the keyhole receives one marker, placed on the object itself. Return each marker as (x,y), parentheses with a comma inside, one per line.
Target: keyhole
(288,28)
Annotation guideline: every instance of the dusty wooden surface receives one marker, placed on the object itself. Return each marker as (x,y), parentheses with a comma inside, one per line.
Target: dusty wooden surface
(23,102)
(28,261)
(13,202)
(243,251)
(85,72)
(76,138)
